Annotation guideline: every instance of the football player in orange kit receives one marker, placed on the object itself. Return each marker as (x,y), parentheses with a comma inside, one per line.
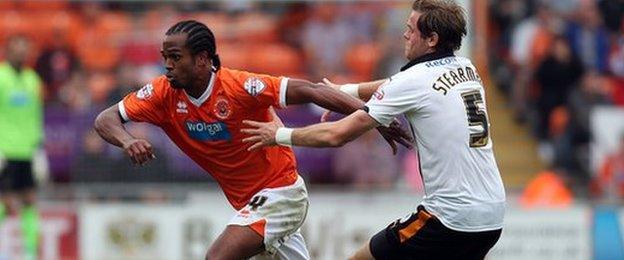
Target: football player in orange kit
(201,106)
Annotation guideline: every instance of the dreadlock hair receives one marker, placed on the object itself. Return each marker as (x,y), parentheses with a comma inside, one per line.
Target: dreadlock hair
(199,38)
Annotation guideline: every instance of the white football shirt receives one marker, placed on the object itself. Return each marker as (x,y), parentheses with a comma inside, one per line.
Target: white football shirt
(443,100)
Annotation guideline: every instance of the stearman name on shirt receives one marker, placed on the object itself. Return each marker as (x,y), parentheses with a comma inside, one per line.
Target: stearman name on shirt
(449,79)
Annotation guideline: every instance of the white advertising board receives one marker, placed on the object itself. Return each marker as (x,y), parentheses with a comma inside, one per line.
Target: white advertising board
(545,234)
(336,226)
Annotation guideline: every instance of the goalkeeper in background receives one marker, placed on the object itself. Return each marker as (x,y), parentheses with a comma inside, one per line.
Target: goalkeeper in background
(21,134)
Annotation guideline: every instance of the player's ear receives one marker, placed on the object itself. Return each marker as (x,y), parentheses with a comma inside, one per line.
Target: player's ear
(202,59)
(432,41)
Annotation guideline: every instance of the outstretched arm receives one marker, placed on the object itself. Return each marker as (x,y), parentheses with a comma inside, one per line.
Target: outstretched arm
(302,91)
(363,91)
(332,134)
(109,126)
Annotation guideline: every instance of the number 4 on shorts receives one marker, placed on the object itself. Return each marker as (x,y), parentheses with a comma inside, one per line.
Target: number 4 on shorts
(257,201)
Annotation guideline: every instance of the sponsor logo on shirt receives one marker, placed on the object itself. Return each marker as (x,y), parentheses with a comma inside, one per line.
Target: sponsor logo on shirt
(254,86)
(182,107)
(18,98)
(440,62)
(145,92)
(204,131)
(222,108)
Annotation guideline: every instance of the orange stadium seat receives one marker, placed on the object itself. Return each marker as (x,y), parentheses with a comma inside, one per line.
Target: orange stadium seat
(40,5)
(547,189)
(219,23)
(98,45)
(44,24)
(257,27)
(234,56)
(7,5)
(275,59)
(13,21)
(115,24)
(159,20)
(362,60)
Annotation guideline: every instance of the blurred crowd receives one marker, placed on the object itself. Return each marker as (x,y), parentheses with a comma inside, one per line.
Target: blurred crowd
(556,61)
(90,54)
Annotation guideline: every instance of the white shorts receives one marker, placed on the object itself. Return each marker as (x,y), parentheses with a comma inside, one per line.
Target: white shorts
(277,214)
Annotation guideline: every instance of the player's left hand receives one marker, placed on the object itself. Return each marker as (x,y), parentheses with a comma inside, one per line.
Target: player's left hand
(396,134)
(263,133)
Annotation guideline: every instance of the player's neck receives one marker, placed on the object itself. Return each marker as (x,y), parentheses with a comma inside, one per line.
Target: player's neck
(17,66)
(199,86)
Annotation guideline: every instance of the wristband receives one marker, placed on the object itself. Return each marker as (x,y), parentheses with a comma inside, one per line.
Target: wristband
(283,136)
(351,89)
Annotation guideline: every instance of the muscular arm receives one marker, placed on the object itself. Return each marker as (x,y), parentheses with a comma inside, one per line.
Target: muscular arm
(366,89)
(109,126)
(334,134)
(302,91)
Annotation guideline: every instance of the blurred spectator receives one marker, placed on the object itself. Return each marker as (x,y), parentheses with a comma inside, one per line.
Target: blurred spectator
(610,181)
(391,54)
(572,147)
(55,65)
(532,36)
(361,16)
(588,37)
(74,94)
(291,23)
(126,82)
(99,40)
(326,38)
(556,75)
(99,84)
(21,135)
(612,11)
(140,47)
(366,163)
(616,58)
(545,72)
(531,41)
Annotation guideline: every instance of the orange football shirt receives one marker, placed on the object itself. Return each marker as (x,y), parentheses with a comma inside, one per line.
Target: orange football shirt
(207,129)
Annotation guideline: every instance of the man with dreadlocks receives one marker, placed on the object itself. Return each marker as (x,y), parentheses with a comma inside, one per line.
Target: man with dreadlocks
(201,106)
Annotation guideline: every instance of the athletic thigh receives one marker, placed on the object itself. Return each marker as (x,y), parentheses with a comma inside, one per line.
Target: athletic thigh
(236,242)
(276,214)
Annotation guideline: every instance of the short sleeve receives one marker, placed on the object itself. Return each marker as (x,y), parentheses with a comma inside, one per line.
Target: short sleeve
(393,99)
(260,89)
(145,104)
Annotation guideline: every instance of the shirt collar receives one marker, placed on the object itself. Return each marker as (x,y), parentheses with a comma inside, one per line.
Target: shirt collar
(199,101)
(427,57)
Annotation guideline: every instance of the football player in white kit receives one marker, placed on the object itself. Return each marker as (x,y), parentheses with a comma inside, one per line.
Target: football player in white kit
(442,97)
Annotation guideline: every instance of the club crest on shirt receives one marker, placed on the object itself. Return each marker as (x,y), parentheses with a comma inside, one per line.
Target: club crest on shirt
(254,86)
(145,92)
(222,108)
(379,94)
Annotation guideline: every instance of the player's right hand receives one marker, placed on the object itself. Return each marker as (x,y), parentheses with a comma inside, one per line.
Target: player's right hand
(139,150)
